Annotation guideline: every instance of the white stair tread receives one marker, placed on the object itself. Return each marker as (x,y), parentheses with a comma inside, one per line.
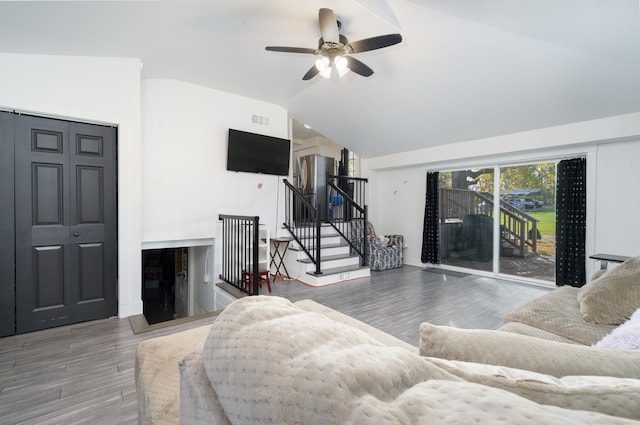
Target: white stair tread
(338,270)
(331,257)
(328,245)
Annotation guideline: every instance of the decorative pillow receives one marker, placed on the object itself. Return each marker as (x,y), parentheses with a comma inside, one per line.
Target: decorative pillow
(525,352)
(613,396)
(383,241)
(613,297)
(625,336)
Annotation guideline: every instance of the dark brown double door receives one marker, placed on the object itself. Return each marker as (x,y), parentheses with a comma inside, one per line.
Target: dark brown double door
(65,222)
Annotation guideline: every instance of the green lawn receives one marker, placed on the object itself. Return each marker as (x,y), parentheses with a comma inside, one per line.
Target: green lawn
(547,228)
(547,221)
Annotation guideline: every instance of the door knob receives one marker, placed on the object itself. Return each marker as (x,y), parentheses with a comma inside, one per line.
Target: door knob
(76,234)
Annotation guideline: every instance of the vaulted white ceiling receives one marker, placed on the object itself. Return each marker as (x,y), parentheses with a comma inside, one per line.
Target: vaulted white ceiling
(466,69)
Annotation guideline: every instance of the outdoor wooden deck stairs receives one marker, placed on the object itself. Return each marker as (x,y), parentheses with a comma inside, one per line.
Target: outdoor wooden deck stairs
(338,262)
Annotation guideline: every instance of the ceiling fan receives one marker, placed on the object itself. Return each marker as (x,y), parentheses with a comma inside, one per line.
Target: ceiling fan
(335,49)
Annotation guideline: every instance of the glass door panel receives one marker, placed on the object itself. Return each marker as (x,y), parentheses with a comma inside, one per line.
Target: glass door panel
(527,221)
(466,218)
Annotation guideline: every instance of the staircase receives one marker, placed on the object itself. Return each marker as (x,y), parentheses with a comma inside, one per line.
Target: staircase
(338,263)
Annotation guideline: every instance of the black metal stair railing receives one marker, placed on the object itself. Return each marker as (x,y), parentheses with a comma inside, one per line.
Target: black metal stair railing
(354,187)
(302,220)
(346,203)
(240,241)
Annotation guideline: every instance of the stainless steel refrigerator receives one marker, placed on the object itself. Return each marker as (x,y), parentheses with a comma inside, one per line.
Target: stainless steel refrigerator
(313,180)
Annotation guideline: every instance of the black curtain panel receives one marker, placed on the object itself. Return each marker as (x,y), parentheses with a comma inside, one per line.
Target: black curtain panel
(571,215)
(431,230)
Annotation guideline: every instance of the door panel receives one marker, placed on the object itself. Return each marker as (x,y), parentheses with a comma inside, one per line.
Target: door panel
(91,272)
(48,278)
(7,253)
(47,194)
(93,226)
(42,293)
(66,226)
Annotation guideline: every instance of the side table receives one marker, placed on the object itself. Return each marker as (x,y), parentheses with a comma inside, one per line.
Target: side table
(605,258)
(280,246)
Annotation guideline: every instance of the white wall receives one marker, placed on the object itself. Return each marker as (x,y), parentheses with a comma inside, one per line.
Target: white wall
(398,182)
(185,184)
(103,90)
(396,206)
(618,204)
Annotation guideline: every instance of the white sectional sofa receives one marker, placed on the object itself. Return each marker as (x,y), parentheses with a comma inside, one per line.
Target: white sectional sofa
(266,360)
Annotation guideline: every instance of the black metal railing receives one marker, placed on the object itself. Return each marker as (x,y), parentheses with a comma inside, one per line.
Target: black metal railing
(302,220)
(354,187)
(343,211)
(240,242)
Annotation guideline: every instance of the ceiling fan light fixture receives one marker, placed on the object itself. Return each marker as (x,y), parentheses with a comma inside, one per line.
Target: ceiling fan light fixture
(326,73)
(335,49)
(322,64)
(341,65)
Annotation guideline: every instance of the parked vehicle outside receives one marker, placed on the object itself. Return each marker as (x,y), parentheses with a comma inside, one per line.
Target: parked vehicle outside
(520,203)
(536,203)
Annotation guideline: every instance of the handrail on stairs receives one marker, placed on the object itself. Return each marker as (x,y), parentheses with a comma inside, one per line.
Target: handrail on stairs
(302,220)
(343,209)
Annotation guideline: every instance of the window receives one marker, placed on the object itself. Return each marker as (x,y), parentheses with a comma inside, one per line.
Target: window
(505,212)
(354,165)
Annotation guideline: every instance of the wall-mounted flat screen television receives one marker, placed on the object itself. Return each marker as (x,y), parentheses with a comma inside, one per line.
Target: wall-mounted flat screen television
(257,153)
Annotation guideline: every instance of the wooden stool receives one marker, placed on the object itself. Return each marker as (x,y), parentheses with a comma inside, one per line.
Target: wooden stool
(263,276)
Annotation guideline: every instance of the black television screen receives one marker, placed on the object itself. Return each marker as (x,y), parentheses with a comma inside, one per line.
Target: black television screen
(257,153)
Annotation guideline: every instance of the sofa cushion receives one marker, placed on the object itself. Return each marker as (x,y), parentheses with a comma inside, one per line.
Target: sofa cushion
(558,312)
(270,362)
(199,403)
(625,336)
(522,329)
(614,296)
(463,403)
(613,396)
(158,376)
(519,351)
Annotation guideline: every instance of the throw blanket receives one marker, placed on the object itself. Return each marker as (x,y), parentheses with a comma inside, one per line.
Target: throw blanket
(270,362)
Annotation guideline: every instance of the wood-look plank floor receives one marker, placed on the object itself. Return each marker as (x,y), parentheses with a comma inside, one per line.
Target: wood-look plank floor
(84,373)
(397,301)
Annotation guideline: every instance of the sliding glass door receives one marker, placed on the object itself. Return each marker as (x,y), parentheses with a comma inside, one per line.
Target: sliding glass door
(499,219)
(466,218)
(528,221)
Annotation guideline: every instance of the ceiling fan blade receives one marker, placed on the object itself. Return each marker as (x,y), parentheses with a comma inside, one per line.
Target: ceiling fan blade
(374,43)
(358,67)
(290,49)
(328,26)
(312,72)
